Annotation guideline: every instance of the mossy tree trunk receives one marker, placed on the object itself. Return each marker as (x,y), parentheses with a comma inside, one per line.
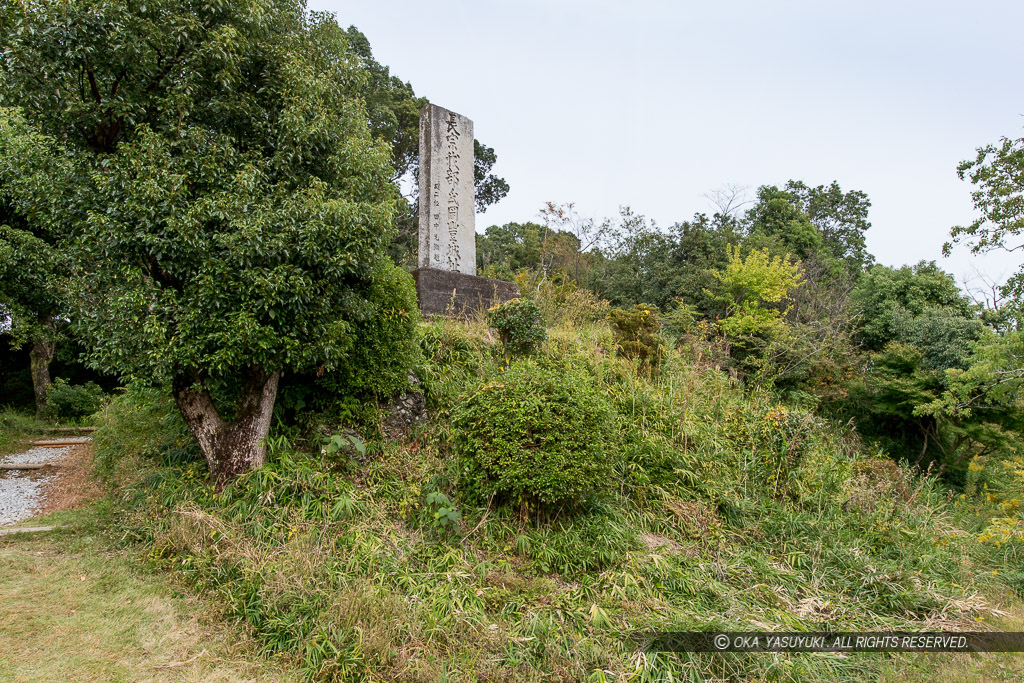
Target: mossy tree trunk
(40,357)
(231,448)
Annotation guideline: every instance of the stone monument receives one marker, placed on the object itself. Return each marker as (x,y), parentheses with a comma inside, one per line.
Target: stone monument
(446,279)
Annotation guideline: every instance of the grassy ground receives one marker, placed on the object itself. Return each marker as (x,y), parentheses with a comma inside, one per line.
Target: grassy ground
(74,608)
(16,427)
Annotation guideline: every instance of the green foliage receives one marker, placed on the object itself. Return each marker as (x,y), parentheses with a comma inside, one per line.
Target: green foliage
(538,436)
(645,265)
(345,447)
(997,172)
(72,401)
(778,217)
(519,324)
(822,221)
(137,430)
(752,288)
(771,441)
(636,334)
(890,300)
(451,360)
(443,513)
(560,299)
(220,189)
(724,504)
(32,273)
(15,428)
(378,364)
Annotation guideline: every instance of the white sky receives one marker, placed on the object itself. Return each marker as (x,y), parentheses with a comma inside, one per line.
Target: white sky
(652,104)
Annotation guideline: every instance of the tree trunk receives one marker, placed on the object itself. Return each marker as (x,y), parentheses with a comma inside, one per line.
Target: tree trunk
(230,448)
(40,357)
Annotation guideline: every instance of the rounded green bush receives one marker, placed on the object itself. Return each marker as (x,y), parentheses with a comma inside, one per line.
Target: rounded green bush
(72,401)
(520,325)
(538,436)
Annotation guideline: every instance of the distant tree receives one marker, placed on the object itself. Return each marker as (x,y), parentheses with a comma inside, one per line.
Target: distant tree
(508,249)
(226,201)
(889,301)
(840,217)
(642,264)
(728,199)
(569,237)
(921,331)
(31,299)
(821,222)
(777,216)
(754,289)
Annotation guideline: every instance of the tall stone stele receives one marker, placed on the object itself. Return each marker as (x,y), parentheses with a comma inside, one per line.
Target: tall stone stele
(446,279)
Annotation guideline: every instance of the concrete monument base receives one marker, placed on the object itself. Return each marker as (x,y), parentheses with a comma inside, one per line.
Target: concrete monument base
(452,294)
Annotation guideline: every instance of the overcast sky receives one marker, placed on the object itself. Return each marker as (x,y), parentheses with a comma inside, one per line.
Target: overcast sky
(652,104)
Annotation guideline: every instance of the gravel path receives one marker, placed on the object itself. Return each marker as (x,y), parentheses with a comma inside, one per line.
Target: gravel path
(21,491)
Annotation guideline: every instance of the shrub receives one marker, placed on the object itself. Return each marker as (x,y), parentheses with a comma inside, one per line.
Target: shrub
(636,334)
(560,299)
(519,324)
(139,428)
(72,401)
(385,349)
(538,436)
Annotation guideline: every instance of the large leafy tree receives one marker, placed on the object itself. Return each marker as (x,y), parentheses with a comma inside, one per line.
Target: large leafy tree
(921,331)
(219,186)
(891,302)
(824,223)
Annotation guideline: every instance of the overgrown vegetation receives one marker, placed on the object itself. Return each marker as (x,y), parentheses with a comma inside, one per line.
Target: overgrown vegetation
(740,422)
(727,509)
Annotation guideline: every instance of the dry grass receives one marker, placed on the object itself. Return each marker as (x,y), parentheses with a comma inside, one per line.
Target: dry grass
(74,484)
(73,611)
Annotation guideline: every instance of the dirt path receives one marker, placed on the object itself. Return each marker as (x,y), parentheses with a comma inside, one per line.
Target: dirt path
(25,493)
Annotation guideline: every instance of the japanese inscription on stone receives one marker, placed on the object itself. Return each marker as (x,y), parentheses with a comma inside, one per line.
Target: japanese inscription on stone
(447,209)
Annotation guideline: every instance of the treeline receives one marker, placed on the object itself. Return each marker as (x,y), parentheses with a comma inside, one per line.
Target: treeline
(786,296)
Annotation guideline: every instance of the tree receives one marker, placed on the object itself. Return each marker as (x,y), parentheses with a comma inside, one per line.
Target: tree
(394,112)
(778,216)
(890,300)
(752,288)
(821,222)
(997,172)
(840,217)
(230,207)
(31,302)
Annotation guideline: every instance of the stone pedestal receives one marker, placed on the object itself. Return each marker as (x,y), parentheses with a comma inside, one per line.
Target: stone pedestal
(448,293)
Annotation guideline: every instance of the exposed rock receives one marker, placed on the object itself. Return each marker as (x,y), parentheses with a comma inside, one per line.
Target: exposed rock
(405,410)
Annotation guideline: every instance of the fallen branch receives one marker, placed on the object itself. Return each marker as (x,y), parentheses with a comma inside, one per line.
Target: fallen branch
(26,466)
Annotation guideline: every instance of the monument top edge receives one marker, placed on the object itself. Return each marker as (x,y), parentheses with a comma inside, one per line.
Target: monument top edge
(430,105)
